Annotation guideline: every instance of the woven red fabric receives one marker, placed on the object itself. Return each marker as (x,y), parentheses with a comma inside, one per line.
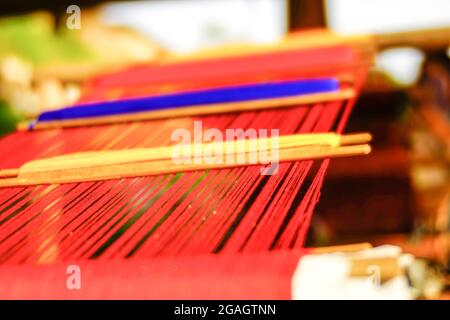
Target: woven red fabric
(249,276)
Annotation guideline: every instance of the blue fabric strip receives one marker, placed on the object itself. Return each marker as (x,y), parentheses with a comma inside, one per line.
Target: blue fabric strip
(194,98)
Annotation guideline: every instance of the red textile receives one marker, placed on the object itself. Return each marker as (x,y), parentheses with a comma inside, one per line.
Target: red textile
(250,276)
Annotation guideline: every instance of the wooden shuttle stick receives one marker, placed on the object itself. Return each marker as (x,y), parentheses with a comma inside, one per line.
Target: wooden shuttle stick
(116,157)
(115,164)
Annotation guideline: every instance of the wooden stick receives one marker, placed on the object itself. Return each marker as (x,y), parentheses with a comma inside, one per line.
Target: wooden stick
(197,110)
(116,157)
(362,266)
(314,38)
(8,173)
(425,39)
(29,175)
(388,267)
(355,138)
(342,248)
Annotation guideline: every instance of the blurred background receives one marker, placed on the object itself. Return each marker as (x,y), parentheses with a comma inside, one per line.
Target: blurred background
(400,194)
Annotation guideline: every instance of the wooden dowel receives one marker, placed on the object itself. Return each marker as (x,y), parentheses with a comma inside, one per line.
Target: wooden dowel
(388,267)
(342,248)
(355,138)
(115,157)
(425,39)
(9,173)
(145,168)
(360,266)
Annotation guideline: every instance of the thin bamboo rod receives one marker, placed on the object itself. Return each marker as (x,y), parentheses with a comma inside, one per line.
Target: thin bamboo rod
(9,173)
(116,157)
(29,175)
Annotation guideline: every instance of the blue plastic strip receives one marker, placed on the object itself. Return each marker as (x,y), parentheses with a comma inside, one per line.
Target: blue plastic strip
(194,98)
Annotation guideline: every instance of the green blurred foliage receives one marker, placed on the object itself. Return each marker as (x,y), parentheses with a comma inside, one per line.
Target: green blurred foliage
(8,119)
(32,38)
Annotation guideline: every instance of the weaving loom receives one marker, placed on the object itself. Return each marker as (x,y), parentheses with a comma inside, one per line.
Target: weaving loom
(219,233)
